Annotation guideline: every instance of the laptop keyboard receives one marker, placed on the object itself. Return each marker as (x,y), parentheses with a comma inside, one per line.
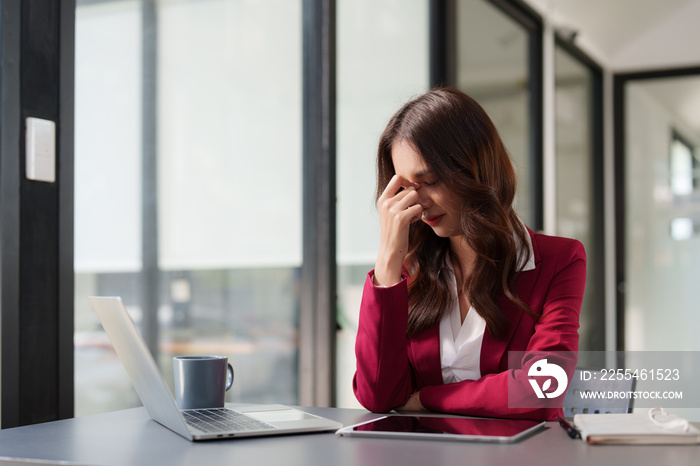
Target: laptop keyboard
(222,420)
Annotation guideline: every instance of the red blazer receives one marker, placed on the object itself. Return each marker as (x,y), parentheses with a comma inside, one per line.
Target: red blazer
(391,367)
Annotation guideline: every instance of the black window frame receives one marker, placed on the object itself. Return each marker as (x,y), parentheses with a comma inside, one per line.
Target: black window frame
(597,124)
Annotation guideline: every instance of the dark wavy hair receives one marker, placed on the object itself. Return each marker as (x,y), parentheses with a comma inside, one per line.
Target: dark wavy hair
(460,144)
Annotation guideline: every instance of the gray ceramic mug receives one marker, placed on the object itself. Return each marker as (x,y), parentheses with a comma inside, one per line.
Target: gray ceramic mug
(201,381)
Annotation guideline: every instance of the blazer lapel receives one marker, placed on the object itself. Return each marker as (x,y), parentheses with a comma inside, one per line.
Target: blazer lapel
(492,350)
(425,347)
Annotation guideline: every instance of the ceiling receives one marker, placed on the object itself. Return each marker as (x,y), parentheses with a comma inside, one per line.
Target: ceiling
(614,31)
(638,35)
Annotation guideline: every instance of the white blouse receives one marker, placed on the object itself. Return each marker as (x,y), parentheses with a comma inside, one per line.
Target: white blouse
(460,342)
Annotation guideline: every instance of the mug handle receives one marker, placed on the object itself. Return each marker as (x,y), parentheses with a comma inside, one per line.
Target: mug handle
(229,377)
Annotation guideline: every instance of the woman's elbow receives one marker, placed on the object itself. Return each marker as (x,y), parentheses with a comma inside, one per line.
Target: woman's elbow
(372,400)
(373,403)
(375,407)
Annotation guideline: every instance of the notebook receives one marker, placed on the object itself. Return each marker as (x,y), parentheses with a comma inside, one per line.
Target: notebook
(652,427)
(220,423)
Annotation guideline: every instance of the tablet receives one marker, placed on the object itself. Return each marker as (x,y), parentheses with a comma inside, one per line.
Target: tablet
(444,428)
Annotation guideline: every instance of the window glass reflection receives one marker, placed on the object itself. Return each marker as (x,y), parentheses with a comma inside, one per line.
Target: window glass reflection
(682,166)
(577,214)
(662,214)
(492,67)
(382,61)
(229,227)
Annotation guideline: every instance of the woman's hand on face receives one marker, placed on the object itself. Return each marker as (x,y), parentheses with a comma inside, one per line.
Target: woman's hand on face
(398,207)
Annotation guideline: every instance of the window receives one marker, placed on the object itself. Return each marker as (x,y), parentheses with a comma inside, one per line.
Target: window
(685,173)
(223,248)
(382,62)
(579,180)
(661,212)
(494,65)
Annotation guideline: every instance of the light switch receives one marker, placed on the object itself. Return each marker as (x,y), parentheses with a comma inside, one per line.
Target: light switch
(41,150)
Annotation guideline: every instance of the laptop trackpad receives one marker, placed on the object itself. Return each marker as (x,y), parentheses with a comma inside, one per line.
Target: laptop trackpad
(280,415)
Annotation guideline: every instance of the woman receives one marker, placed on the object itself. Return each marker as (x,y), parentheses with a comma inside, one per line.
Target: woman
(459,281)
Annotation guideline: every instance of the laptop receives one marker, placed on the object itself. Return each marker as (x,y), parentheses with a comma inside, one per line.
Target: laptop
(196,424)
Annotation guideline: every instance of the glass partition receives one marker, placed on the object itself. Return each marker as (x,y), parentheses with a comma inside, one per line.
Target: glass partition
(579,210)
(227,188)
(662,214)
(493,67)
(382,49)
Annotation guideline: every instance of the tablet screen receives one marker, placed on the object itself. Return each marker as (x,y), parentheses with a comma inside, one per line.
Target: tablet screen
(470,427)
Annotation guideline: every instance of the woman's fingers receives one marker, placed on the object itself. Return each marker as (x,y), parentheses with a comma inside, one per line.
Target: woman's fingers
(405,205)
(405,198)
(396,186)
(399,206)
(414,213)
(398,196)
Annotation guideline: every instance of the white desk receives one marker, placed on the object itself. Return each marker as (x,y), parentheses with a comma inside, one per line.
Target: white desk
(130,437)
